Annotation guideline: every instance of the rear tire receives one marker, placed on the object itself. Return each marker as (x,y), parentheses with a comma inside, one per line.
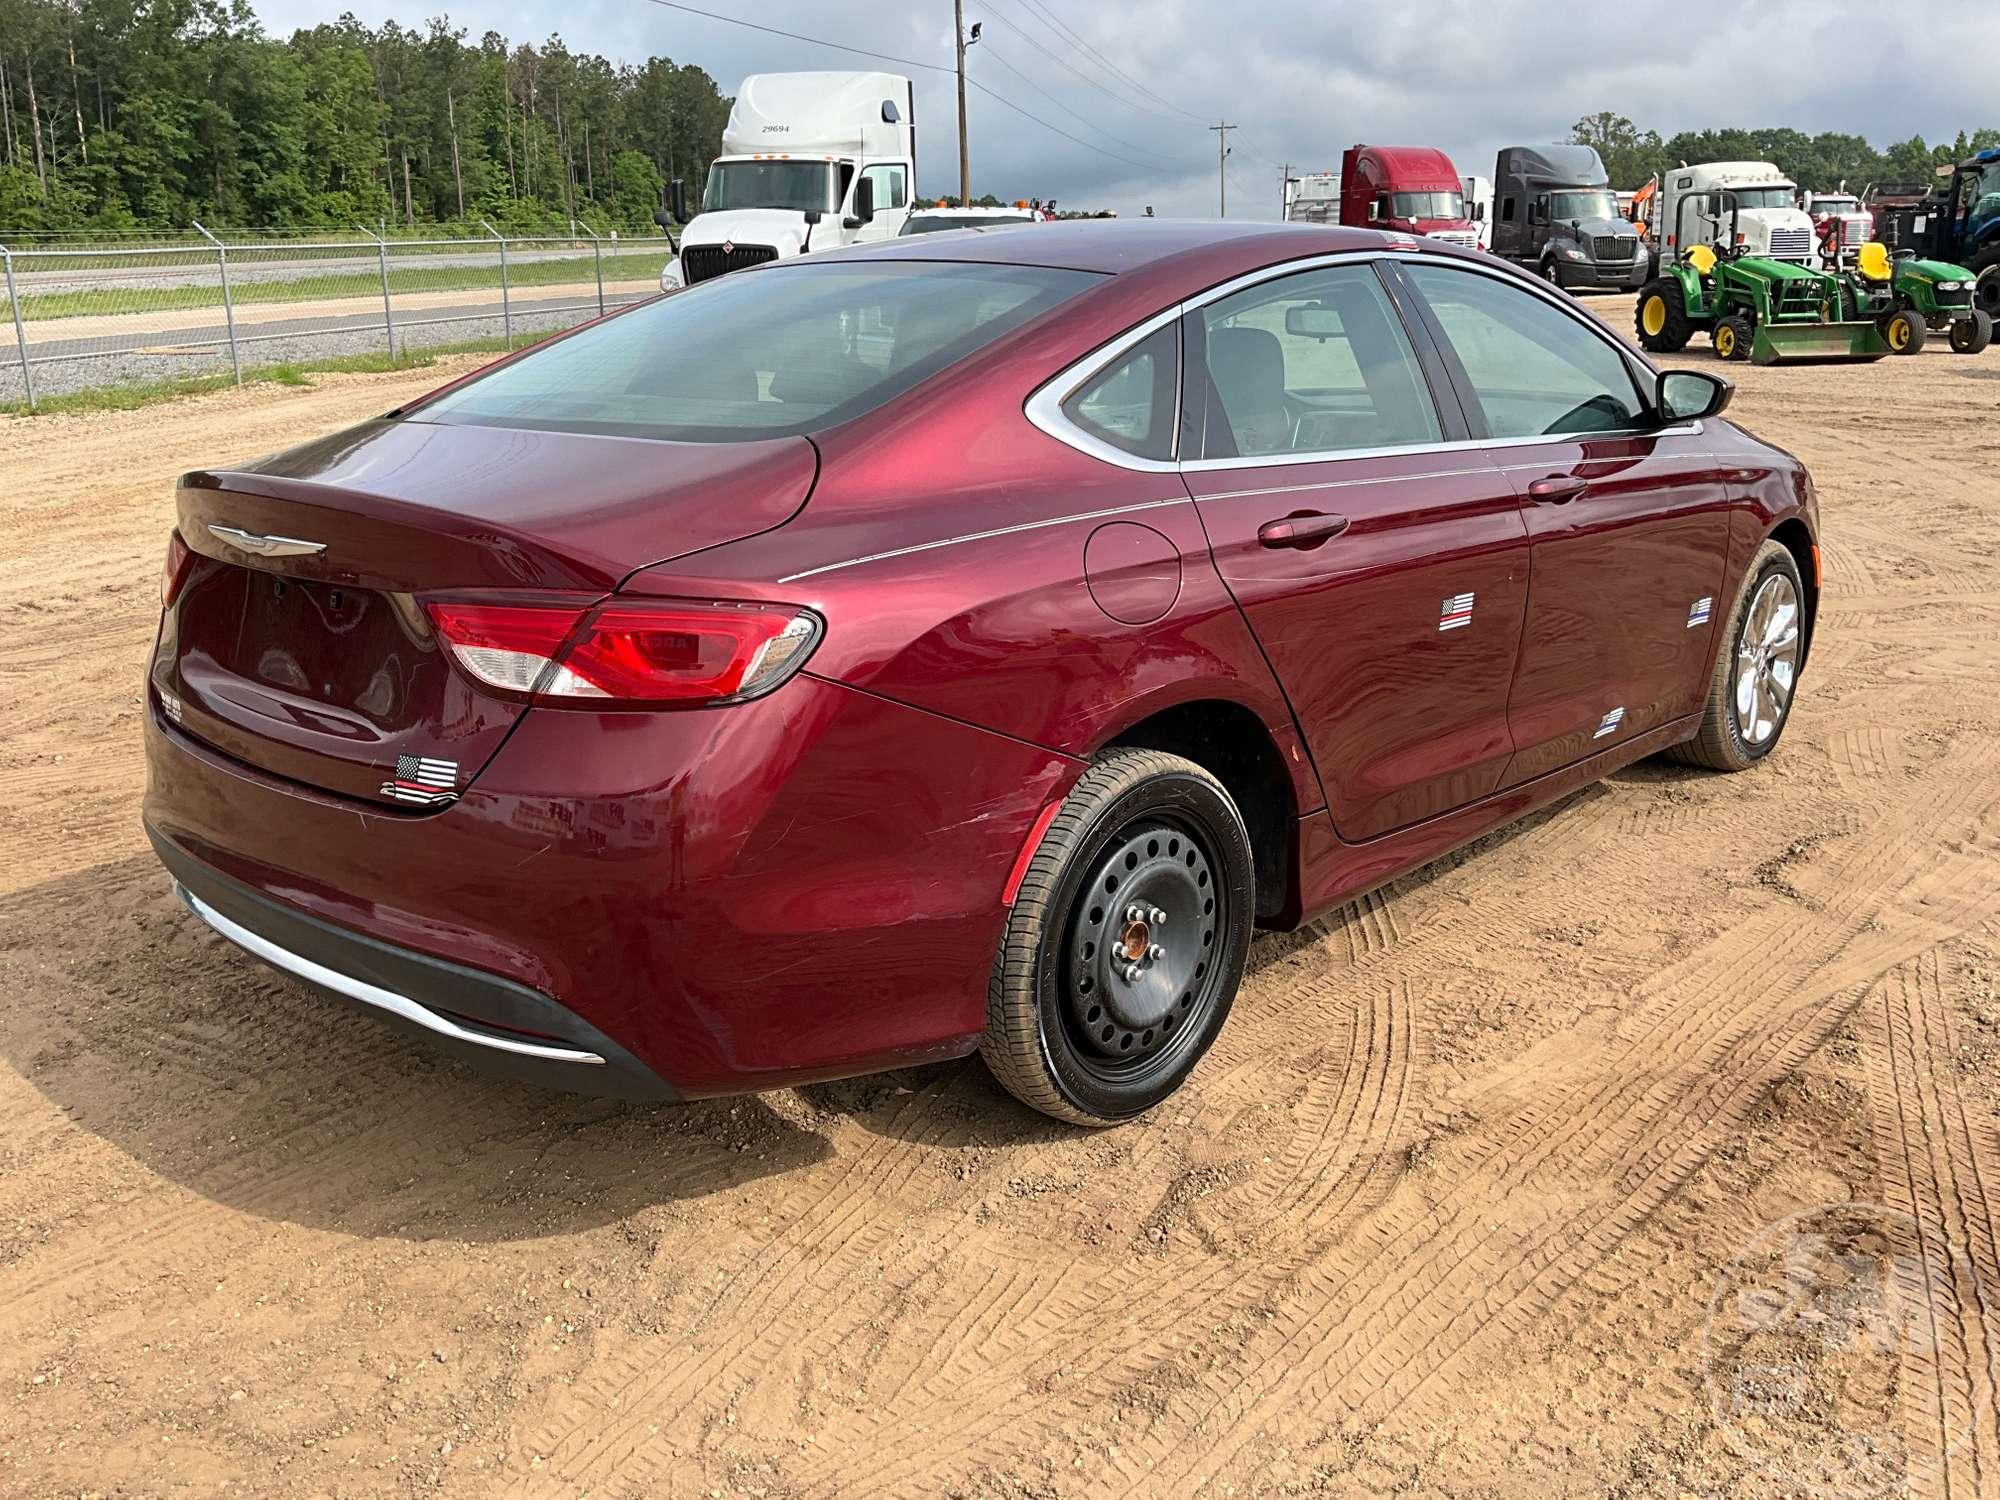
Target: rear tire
(1661,318)
(1094,1015)
(1733,737)
(1903,331)
(1986,294)
(1971,333)
(1732,337)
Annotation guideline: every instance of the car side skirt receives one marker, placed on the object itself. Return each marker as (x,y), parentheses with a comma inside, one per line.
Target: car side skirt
(1332,872)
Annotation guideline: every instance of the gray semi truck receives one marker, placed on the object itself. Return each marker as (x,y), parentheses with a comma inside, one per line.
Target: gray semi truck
(1554,212)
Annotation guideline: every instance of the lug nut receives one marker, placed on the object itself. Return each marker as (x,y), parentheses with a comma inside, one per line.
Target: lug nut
(1135,913)
(1156,916)
(1131,973)
(1156,952)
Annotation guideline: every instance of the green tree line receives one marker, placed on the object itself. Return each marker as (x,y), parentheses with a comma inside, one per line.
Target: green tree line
(1821,162)
(133,115)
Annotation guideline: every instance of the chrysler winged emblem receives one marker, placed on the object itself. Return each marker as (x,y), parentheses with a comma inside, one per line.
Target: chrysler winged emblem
(265,546)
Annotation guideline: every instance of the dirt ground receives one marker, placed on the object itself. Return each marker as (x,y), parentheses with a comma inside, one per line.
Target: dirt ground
(1641,1149)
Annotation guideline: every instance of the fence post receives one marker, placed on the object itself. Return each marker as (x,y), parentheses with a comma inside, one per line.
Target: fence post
(382,259)
(597,255)
(506,306)
(20,333)
(228,308)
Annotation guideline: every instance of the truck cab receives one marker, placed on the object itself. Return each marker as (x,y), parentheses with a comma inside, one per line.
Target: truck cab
(1769,222)
(1841,225)
(810,161)
(1555,213)
(1414,189)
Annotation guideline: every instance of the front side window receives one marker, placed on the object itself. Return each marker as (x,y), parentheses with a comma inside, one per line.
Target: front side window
(798,185)
(1535,370)
(1131,403)
(763,353)
(1316,362)
(892,185)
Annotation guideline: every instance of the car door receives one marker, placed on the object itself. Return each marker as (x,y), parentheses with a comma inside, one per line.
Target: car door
(1628,521)
(1380,557)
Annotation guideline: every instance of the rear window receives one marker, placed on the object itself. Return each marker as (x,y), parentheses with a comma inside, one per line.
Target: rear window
(761,354)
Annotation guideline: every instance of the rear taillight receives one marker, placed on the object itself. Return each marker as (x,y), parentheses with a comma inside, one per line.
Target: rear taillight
(180,557)
(626,653)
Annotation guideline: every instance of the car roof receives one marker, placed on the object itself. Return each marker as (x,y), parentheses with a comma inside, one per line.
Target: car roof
(1114,246)
(975,212)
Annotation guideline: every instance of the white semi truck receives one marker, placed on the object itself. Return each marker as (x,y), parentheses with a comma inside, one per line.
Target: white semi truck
(1768,217)
(810,161)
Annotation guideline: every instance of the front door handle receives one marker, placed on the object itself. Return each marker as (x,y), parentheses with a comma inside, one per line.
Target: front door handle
(1557,489)
(1302,529)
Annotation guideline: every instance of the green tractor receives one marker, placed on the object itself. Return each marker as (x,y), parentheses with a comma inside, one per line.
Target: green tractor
(1936,293)
(1764,310)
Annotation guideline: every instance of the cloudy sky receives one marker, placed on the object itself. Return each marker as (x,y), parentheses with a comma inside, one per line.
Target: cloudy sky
(1302,80)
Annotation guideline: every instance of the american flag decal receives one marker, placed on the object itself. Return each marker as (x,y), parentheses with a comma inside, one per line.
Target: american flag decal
(1698,612)
(1457,611)
(1609,722)
(423,780)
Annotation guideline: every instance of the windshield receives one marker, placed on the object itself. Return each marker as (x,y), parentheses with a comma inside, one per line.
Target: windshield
(932,223)
(1765,197)
(1427,205)
(1836,206)
(760,354)
(802,185)
(1563,207)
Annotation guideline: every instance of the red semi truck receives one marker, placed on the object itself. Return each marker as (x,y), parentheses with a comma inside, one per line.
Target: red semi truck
(1412,188)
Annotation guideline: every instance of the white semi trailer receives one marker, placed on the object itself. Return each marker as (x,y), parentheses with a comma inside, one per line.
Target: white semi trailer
(810,161)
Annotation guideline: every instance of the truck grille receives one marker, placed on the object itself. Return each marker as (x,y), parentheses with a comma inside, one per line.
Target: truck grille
(1614,247)
(1791,244)
(699,262)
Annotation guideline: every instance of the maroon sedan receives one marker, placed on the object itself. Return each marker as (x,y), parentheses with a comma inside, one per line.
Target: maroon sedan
(956,645)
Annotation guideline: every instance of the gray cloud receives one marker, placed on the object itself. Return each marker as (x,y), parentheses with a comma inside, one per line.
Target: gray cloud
(1304,80)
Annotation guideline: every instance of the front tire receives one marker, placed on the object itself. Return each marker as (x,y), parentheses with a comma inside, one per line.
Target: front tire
(1756,675)
(1971,333)
(1126,942)
(1661,317)
(1903,331)
(1732,337)
(1986,292)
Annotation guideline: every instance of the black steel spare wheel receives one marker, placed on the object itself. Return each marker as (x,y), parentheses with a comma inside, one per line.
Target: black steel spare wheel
(1126,943)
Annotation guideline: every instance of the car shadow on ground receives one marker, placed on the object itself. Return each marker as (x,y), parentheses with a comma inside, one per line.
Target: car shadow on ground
(211,1070)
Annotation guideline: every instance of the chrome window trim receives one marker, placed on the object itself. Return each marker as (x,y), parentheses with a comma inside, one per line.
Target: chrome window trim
(371,994)
(1044,407)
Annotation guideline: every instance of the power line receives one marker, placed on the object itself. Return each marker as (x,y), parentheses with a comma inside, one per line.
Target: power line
(1062,28)
(904,62)
(994,53)
(1029,38)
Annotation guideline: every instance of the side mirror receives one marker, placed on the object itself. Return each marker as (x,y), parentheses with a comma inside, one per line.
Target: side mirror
(1376,211)
(864,203)
(677,198)
(1689,395)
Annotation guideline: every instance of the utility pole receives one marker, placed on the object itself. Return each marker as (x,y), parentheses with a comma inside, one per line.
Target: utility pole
(1222,167)
(1285,192)
(964,155)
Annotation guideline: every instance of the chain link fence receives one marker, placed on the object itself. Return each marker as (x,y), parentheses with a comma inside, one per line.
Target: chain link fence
(137,314)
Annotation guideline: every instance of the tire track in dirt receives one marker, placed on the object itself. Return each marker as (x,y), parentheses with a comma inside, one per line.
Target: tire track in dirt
(1930,1151)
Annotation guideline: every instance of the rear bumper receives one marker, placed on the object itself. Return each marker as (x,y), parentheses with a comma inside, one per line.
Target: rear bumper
(479,1018)
(808,886)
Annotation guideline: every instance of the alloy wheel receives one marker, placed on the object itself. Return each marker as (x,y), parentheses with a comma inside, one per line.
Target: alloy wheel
(1767,659)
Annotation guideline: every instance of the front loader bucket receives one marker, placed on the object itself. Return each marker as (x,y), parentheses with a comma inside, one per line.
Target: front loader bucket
(1830,343)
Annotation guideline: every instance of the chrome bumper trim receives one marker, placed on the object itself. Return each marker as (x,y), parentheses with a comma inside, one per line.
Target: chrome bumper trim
(369,994)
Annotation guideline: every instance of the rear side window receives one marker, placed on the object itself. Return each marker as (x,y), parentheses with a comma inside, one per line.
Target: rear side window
(1131,404)
(761,354)
(1535,370)
(1316,362)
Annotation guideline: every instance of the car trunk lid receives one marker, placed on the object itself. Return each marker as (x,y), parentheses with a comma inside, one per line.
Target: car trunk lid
(297,644)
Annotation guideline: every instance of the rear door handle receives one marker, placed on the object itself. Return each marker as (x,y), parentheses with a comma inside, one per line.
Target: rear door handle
(1303,529)
(1557,489)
